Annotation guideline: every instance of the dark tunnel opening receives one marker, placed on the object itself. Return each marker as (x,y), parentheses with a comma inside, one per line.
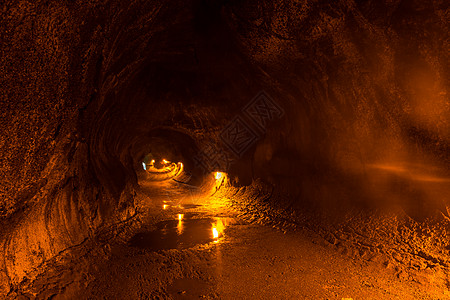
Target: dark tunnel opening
(154,150)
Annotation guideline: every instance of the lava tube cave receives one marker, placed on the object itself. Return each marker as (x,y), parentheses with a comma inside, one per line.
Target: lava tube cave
(225,149)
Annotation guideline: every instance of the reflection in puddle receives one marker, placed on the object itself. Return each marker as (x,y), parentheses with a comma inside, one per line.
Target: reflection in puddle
(183,206)
(182,233)
(180,224)
(190,206)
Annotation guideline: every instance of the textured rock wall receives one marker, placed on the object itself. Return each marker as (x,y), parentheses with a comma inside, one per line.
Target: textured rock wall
(365,90)
(364,86)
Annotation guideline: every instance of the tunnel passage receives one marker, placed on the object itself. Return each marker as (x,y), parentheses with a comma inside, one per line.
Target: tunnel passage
(363,87)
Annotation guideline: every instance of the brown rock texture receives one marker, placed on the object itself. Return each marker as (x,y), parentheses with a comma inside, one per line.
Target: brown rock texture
(88,87)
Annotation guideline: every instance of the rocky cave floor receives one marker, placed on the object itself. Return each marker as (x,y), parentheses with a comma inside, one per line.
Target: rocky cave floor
(257,256)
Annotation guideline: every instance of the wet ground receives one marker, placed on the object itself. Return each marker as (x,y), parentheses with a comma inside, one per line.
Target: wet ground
(200,249)
(183,233)
(252,262)
(190,247)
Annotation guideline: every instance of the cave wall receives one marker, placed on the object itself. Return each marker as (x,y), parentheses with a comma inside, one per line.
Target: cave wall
(365,90)
(363,84)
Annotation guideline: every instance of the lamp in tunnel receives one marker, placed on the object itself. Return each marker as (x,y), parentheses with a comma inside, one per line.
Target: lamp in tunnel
(215,233)
(144,166)
(218,228)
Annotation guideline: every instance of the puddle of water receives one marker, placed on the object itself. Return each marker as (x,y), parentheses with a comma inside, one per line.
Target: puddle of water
(170,205)
(190,206)
(181,233)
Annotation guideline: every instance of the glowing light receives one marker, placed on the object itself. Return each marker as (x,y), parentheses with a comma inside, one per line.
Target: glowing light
(165,161)
(180,168)
(152,162)
(180,224)
(219,175)
(164,206)
(144,166)
(215,233)
(417,174)
(218,228)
